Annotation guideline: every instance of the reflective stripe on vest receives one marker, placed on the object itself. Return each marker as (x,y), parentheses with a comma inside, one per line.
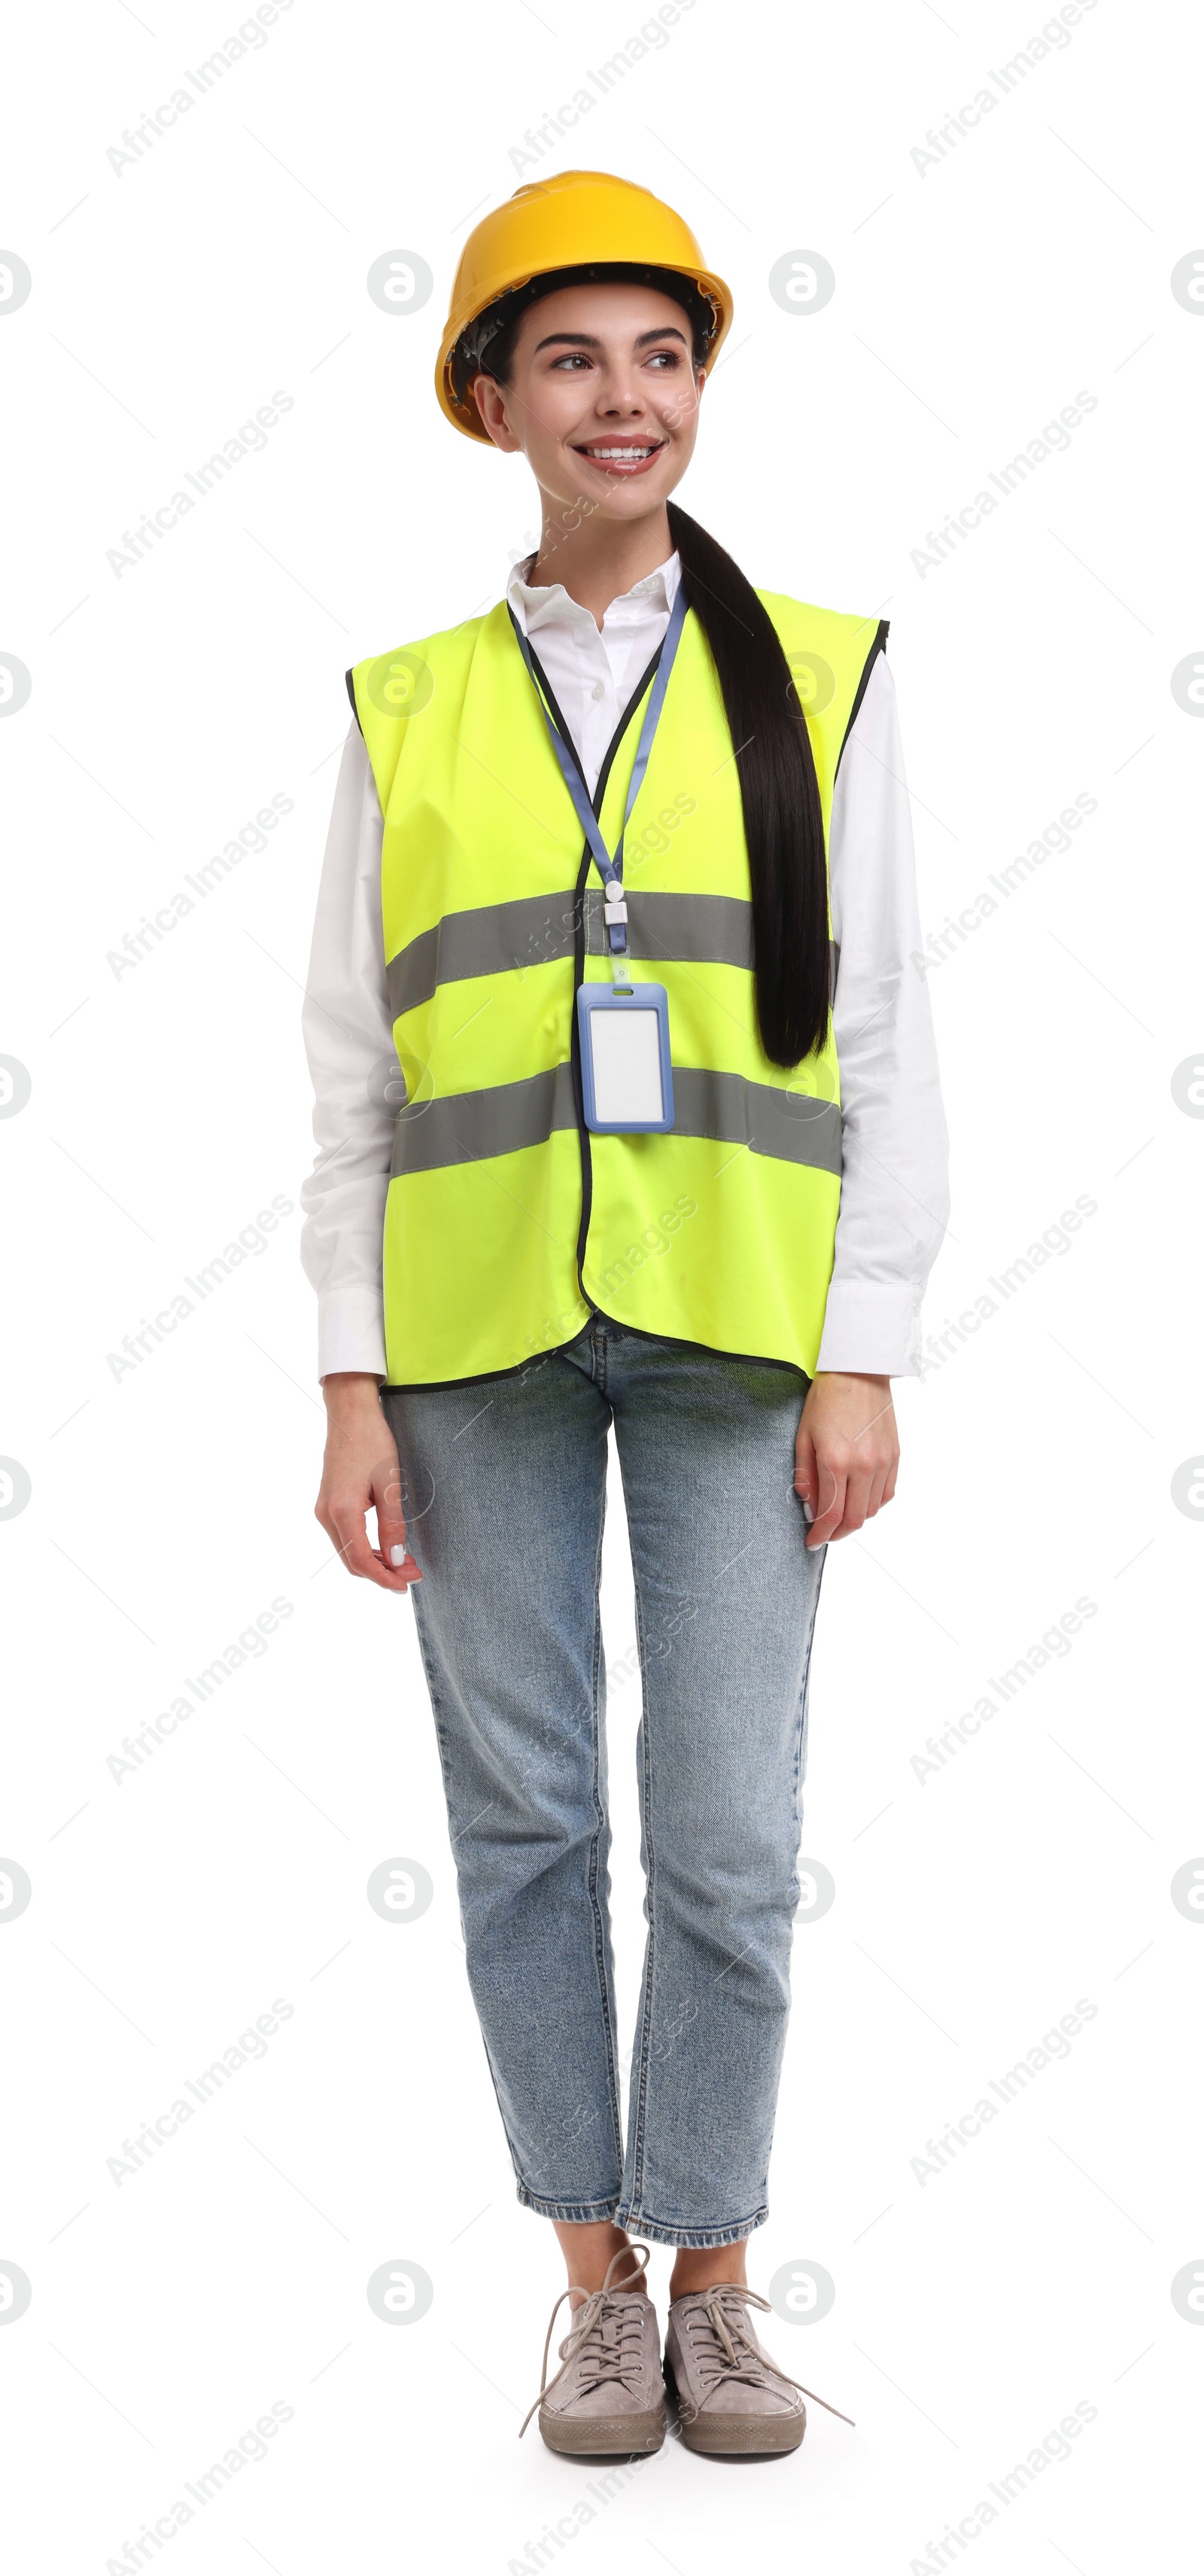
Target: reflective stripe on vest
(506,1223)
(700,929)
(473,1125)
(714,929)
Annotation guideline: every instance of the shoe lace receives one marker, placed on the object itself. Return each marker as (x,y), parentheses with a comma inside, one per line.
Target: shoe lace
(606,2334)
(720,2349)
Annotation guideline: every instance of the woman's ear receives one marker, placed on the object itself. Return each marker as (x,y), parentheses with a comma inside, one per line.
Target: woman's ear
(491,404)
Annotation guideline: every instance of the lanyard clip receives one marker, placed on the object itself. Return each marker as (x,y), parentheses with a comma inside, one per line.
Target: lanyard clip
(615,917)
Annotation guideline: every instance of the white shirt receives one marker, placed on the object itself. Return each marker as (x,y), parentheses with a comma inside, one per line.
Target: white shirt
(894,1196)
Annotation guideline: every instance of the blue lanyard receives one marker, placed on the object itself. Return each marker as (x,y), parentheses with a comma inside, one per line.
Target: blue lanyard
(611,870)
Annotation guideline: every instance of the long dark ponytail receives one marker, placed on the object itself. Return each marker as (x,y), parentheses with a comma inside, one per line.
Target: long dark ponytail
(783,818)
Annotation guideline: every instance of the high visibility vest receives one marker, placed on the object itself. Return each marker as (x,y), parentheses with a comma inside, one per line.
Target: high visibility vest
(507,1222)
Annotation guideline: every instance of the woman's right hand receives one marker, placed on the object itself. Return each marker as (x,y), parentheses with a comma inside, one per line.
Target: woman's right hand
(360,1470)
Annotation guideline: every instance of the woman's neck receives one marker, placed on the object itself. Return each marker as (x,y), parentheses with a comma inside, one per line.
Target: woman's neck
(597,559)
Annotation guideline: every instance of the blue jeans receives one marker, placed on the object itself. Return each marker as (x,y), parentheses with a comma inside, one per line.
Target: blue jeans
(504,1486)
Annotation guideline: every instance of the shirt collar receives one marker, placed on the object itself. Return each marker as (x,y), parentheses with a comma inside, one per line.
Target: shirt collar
(550,604)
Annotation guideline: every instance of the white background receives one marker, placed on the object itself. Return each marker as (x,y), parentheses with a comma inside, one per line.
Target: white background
(973,300)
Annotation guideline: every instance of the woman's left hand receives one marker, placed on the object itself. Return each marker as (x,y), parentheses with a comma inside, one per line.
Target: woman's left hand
(846,1453)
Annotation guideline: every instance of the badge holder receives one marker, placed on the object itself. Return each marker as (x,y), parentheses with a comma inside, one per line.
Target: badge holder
(626,1069)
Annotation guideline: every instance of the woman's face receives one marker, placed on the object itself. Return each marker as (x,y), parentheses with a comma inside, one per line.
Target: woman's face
(603,398)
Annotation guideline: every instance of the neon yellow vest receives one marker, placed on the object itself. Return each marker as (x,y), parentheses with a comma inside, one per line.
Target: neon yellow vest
(507,1222)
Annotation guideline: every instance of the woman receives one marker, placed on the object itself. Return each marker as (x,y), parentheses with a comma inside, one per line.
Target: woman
(671,1157)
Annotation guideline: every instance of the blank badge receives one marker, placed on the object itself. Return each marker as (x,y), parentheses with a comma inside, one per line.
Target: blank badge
(627,1076)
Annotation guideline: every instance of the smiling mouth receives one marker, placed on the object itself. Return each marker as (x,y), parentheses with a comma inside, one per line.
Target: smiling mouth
(622,456)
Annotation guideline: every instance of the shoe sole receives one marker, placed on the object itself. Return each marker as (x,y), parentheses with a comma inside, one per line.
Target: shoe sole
(738,2436)
(612,2436)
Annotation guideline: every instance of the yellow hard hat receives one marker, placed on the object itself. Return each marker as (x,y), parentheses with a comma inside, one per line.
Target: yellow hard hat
(579,219)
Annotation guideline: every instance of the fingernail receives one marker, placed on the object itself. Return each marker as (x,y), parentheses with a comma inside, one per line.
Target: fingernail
(808,1514)
(397,1555)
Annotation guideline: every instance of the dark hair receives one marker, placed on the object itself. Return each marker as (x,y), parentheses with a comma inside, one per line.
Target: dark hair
(783,817)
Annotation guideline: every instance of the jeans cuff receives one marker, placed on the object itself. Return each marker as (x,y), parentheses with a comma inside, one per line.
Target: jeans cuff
(659,2232)
(571,2213)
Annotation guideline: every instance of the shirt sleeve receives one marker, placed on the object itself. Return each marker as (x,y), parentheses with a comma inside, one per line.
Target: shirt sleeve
(894,1199)
(348,1032)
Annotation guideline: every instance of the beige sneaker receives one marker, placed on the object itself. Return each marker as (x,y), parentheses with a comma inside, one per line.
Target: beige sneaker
(730,2395)
(608,2398)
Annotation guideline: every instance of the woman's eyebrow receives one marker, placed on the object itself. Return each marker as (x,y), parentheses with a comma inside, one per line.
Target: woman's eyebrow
(587,339)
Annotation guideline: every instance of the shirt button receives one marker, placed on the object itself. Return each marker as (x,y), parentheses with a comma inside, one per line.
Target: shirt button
(599,689)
